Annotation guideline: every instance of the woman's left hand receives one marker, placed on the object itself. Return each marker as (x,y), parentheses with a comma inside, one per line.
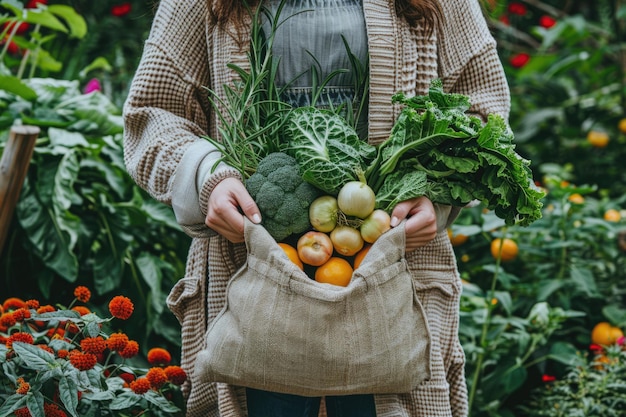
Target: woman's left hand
(421,224)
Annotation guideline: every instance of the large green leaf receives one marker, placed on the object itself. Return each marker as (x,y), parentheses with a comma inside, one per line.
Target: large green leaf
(75,22)
(14,85)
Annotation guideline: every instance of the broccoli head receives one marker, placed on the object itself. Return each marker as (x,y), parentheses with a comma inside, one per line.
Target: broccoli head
(282,195)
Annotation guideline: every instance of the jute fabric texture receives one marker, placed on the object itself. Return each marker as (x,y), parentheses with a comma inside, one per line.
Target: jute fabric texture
(281,331)
(167,110)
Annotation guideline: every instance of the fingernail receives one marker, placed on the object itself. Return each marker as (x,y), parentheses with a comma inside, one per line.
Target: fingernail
(256,218)
(394,221)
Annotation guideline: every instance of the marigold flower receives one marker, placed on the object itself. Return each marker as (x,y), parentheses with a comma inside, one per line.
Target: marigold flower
(22,412)
(548,378)
(7,320)
(131,349)
(82,293)
(53,410)
(140,385)
(82,310)
(23,387)
(175,374)
(95,345)
(121,9)
(157,377)
(121,307)
(117,341)
(547,21)
(519,60)
(13,303)
(159,356)
(34,304)
(20,337)
(517,8)
(82,361)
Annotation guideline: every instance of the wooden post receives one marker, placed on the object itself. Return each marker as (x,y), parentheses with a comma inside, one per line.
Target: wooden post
(13,169)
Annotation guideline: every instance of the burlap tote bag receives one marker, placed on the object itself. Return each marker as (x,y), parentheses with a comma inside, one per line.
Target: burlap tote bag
(282,331)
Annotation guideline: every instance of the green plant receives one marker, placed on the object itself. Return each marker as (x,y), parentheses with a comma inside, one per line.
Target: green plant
(70,361)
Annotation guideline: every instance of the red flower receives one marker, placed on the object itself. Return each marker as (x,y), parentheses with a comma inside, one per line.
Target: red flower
(131,349)
(517,8)
(21,314)
(22,27)
(548,378)
(20,337)
(32,4)
(23,387)
(121,307)
(121,9)
(45,309)
(95,345)
(621,340)
(7,320)
(82,361)
(140,385)
(595,348)
(82,294)
(519,60)
(127,377)
(175,374)
(82,310)
(117,341)
(53,410)
(62,353)
(157,377)
(505,20)
(22,412)
(13,303)
(34,304)
(159,356)
(547,21)
(92,85)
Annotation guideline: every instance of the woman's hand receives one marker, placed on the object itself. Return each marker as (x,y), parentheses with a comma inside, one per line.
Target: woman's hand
(421,224)
(228,200)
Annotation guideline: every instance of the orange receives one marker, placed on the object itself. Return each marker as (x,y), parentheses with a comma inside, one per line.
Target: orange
(597,138)
(509,249)
(457,239)
(336,271)
(292,254)
(621,125)
(358,258)
(576,198)
(612,215)
(605,334)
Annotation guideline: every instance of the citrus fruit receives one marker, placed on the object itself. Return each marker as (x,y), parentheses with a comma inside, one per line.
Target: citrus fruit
(612,215)
(605,334)
(292,254)
(509,249)
(336,271)
(597,138)
(621,125)
(576,198)
(456,239)
(358,258)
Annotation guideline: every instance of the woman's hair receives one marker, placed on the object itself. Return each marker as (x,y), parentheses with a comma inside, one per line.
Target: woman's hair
(224,11)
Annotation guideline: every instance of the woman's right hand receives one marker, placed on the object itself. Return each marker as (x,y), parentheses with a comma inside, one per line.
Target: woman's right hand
(228,200)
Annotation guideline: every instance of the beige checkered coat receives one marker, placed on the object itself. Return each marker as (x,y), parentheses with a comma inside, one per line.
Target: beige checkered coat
(167,110)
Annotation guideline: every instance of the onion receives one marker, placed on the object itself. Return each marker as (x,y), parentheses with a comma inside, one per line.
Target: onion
(356,199)
(375,225)
(347,240)
(323,213)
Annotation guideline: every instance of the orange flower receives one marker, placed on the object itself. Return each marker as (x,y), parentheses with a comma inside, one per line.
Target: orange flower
(20,314)
(82,294)
(159,356)
(157,377)
(175,374)
(22,386)
(140,385)
(34,304)
(131,349)
(46,309)
(46,348)
(62,353)
(20,337)
(7,320)
(82,310)
(13,303)
(53,410)
(82,361)
(117,341)
(95,345)
(121,307)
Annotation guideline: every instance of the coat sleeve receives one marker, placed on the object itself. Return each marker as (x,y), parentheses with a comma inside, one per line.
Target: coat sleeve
(166,114)
(469,60)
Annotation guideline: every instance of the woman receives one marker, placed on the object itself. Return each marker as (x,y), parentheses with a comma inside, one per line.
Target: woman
(409,43)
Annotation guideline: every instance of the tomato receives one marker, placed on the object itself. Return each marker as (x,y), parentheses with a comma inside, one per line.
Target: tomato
(375,225)
(314,248)
(356,199)
(323,213)
(346,240)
